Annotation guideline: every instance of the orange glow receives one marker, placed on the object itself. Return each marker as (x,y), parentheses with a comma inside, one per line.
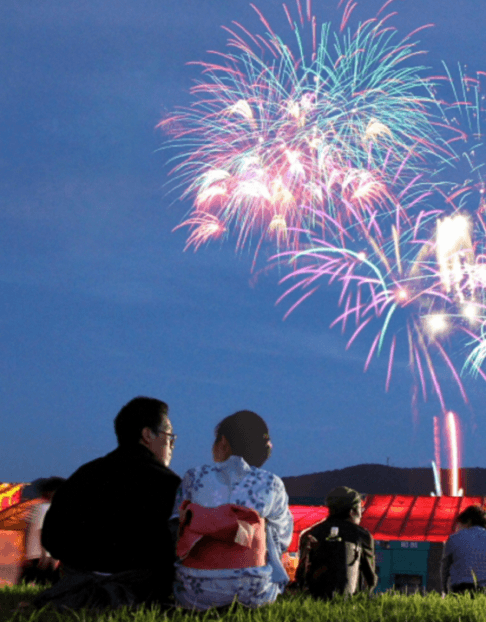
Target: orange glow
(10,495)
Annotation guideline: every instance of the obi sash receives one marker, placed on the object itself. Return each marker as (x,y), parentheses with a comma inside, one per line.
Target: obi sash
(227,536)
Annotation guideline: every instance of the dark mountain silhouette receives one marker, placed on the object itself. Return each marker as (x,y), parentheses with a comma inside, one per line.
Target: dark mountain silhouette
(380,480)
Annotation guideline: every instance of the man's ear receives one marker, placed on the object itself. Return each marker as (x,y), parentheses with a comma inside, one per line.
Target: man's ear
(147,435)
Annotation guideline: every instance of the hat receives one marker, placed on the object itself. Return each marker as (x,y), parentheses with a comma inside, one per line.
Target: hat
(342,499)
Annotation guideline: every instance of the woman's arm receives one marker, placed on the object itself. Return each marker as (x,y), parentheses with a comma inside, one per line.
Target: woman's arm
(279,517)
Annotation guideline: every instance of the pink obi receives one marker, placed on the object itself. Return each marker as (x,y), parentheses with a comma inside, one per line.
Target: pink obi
(227,536)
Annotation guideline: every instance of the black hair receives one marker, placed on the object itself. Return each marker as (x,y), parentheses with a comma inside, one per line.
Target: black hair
(343,514)
(139,413)
(341,501)
(247,435)
(49,485)
(474,513)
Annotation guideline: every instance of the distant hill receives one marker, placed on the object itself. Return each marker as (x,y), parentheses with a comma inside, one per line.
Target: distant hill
(379,479)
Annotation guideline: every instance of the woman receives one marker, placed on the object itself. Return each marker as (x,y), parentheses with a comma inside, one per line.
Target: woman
(235,522)
(464,559)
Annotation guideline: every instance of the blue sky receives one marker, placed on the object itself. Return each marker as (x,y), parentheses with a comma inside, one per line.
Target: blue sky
(99,301)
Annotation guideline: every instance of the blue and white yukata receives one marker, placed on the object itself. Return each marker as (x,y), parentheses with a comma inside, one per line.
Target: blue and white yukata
(234,481)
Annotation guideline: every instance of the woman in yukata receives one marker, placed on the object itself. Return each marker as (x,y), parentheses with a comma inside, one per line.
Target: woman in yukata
(235,522)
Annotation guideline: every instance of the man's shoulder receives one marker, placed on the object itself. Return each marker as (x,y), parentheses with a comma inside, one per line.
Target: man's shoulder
(121,463)
(346,528)
(168,474)
(90,468)
(466,535)
(366,533)
(319,529)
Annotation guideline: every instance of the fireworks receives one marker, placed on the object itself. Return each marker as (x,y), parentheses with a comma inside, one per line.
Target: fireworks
(339,152)
(311,138)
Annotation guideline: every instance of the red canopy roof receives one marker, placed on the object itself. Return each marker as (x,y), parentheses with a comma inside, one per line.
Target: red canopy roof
(395,517)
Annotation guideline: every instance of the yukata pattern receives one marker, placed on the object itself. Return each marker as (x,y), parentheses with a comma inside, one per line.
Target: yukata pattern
(234,481)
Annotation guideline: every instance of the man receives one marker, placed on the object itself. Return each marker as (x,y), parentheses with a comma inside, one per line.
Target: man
(463,566)
(108,523)
(337,554)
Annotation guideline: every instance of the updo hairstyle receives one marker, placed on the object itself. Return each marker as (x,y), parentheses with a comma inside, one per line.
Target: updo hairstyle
(247,435)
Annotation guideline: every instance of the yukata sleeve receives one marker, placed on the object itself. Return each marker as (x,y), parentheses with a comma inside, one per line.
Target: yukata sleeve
(279,518)
(183,492)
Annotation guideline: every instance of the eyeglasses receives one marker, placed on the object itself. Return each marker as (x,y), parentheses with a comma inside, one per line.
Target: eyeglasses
(172,437)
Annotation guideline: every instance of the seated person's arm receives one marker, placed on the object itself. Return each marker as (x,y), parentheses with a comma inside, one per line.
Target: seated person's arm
(279,519)
(368,567)
(181,495)
(305,546)
(445,567)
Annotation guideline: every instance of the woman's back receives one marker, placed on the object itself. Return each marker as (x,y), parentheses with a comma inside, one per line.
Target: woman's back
(233,481)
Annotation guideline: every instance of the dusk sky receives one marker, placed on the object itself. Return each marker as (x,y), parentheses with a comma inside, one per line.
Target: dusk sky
(99,301)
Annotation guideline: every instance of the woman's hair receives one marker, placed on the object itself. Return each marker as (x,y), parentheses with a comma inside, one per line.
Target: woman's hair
(247,434)
(474,513)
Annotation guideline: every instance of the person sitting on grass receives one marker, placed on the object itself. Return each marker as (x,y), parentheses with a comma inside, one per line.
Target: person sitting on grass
(38,566)
(337,555)
(463,564)
(235,522)
(108,522)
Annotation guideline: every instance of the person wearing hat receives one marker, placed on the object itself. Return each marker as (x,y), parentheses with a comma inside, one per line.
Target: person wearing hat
(337,555)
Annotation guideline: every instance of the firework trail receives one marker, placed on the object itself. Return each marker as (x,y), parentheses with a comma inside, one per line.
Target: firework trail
(452,431)
(425,283)
(282,140)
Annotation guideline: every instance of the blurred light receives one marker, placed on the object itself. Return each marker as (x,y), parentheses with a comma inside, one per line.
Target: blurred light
(470,311)
(436,322)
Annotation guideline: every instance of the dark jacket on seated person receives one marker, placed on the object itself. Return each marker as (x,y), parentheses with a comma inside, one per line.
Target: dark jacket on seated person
(336,556)
(112,515)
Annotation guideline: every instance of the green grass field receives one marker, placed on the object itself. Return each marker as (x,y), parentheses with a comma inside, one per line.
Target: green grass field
(387,607)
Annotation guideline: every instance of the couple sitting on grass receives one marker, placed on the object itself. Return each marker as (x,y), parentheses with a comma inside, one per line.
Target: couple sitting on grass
(114,523)
(128,531)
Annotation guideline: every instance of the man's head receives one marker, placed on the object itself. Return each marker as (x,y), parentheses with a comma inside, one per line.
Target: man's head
(145,421)
(48,486)
(345,503)
(472,516)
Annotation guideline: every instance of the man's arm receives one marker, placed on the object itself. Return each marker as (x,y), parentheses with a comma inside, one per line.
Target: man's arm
(445,566)
(58,528)
(306,544)
(368,567)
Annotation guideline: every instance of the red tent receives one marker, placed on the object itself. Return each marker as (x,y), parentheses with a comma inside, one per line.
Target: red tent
(395,517)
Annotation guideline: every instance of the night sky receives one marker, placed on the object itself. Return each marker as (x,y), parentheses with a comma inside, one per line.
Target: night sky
(99,303)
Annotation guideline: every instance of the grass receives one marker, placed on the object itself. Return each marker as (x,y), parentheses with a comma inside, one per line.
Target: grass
(390,607)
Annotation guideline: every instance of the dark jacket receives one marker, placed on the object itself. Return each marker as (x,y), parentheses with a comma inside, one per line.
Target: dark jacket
(112,514)
(342,564)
